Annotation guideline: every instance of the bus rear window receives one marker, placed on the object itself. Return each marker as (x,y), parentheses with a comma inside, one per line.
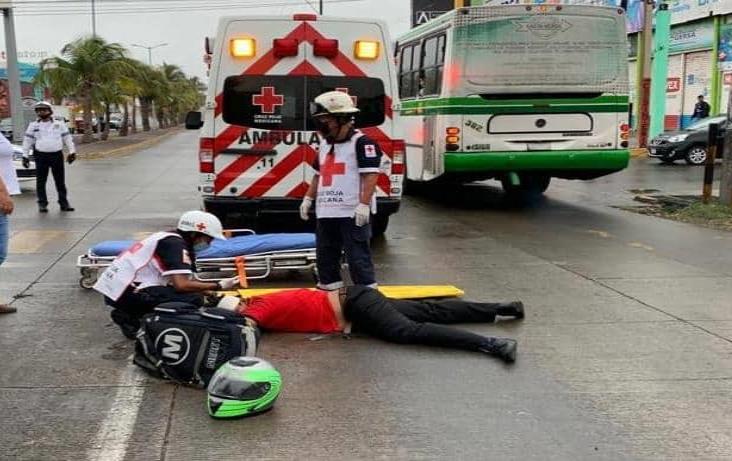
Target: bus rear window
(282,102)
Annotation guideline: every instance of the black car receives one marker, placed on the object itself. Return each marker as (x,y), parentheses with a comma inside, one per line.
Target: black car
(689,144)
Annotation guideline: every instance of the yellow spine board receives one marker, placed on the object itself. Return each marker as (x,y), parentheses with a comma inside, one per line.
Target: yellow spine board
(391,291)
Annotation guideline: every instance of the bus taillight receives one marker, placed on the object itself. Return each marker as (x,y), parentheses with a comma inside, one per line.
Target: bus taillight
(397,164)
(206,155)
(452,139)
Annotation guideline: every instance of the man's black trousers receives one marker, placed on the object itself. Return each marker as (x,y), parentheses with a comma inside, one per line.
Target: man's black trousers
(417,322)
(53,161)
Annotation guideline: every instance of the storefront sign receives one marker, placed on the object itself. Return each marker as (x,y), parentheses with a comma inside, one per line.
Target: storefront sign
(424,10)
(690,37)
(673,85)
(687,10)
(725,47)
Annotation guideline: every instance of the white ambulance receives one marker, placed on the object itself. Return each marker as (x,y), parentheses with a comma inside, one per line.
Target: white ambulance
(257,140)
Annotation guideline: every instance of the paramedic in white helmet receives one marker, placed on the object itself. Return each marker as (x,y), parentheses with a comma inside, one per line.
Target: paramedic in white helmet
(159,269)
(47,137)
(346,170)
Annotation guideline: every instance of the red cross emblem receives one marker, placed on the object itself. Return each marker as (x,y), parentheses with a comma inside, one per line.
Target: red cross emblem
(201,226)
(268,100)
(353,98)
(330,168)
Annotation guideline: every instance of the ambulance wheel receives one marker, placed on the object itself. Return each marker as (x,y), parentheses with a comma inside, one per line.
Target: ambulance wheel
(379,225)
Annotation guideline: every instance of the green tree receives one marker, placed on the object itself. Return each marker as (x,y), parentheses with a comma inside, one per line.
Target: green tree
(84,67)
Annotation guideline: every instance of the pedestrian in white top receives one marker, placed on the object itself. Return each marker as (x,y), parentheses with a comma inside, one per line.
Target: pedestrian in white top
(47,138)
(8,186)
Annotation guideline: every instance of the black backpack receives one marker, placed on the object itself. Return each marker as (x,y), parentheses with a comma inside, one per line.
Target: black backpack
(184,343)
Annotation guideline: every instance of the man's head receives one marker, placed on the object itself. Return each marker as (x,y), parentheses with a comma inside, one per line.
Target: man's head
(700,98)
(333,114)
(43,110)
(200,228)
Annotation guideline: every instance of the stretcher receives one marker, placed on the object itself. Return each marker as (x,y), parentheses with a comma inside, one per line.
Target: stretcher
(256,255)
(391,291)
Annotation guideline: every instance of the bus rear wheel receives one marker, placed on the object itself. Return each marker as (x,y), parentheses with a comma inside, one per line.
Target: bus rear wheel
(529,184)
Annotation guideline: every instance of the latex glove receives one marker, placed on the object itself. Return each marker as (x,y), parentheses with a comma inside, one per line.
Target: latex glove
(71,157)
(363,213)
(228,284)
(26,162)
(305,206)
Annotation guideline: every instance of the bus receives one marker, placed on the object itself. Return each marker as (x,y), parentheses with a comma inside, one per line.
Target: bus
(517,93)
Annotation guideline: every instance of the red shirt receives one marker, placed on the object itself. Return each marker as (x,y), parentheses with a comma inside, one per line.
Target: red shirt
(294,311)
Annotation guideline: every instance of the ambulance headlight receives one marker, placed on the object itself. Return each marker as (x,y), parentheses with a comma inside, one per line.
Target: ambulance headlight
(242,47)
(366,49)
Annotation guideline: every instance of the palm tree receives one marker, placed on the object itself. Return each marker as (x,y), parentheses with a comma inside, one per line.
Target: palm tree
(83,67)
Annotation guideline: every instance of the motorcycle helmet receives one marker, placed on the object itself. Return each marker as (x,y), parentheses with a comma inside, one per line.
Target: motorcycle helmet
(243,386)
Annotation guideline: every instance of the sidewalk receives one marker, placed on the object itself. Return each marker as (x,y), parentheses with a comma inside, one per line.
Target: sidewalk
(117,145)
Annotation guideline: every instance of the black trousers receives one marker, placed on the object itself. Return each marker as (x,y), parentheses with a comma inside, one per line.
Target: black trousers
(417,322)
(132,305)
(335,236)
(53,161)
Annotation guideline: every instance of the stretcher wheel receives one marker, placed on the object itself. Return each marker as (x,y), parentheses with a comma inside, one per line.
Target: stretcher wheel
(88,280)
(86,271)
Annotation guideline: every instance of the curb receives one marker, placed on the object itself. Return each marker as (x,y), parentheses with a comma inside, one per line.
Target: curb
(130,148)
(639,152)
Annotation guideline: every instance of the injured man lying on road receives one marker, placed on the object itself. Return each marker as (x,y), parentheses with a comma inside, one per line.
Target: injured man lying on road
(370,312)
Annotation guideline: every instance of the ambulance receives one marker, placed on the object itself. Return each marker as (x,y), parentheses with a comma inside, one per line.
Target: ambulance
(257,141)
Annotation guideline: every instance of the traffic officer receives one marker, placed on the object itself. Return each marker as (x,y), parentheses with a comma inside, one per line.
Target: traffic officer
(159,269)
(47,138)
(346,170)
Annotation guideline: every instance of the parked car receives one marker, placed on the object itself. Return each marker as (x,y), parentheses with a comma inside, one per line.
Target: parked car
(23,173)
(689,144)
(78,125)
(115,122)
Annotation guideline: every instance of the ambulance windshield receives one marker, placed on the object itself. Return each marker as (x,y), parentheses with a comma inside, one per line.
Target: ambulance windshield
(280,102)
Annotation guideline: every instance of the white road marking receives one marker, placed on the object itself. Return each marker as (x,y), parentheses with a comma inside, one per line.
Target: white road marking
(110,442)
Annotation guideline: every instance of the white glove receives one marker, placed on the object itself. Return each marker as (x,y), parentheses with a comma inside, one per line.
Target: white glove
(363,213)
(230,303)
(228,284)
(307,202)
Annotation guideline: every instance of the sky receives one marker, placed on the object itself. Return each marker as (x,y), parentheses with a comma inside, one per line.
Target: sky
(40,30)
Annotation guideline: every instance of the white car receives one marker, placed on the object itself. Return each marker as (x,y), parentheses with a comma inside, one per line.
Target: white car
(23,173)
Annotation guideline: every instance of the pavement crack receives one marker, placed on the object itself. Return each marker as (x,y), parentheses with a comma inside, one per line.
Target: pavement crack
(168,425)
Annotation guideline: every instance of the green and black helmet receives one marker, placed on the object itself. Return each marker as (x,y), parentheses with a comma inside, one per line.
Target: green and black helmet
(243,386)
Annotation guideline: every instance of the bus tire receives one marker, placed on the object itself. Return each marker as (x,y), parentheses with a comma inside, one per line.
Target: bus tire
(379,224)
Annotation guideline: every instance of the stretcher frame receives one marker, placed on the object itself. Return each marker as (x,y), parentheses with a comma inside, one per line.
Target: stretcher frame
(258,266)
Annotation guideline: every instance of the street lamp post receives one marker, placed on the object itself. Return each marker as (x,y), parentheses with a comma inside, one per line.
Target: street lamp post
(149,50)
(14,91)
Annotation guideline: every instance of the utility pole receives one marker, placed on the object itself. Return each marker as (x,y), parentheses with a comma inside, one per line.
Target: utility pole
(644,61)
(94,18)
(14,92)
(660,69)
(725,184)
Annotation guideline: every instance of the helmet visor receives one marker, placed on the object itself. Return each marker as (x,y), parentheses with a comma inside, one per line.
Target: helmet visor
(234,388)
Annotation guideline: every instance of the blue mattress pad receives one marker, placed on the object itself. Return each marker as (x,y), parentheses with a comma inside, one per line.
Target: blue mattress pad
(236,246)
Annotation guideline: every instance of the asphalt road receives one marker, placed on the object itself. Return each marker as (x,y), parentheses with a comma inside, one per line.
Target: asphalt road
(625,352)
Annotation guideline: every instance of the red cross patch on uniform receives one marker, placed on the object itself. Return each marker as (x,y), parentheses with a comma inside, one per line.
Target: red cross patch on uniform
(370,150)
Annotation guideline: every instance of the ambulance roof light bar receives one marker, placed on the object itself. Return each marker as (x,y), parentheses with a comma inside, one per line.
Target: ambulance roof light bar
(305,17)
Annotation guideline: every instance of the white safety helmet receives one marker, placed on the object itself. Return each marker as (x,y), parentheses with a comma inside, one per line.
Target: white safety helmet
(333,102)
(43,105)
(201,222)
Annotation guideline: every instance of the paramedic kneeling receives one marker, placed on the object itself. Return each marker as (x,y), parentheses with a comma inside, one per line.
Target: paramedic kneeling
(394,320)
(346,170)
(158,269)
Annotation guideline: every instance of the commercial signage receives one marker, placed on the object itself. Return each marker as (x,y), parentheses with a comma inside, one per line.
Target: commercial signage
(725,47)
(690,37)
(687,10)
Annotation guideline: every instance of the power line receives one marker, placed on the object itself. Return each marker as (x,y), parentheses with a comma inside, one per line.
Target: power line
(36,10)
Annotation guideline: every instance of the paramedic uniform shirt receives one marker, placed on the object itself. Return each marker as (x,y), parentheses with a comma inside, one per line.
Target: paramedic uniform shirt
(171,257)
(293,311)
(340,167)
(47,137)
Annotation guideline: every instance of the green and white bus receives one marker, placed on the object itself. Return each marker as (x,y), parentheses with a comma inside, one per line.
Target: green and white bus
(518,93)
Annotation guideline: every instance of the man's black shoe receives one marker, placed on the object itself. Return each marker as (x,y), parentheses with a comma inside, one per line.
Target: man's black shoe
(67,208)
(513,309)
(503,348)
(42,209)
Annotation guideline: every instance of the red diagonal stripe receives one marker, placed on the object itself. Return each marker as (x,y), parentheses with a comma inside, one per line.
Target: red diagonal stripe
(299,190)
(278,172)
(240,165)
(265,63)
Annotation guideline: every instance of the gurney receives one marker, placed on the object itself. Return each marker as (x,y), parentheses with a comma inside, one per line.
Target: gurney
(260,255)
(391,291)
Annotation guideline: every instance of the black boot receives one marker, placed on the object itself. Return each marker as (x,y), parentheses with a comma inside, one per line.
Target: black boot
(513,309)
(43,208)
(503,348)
